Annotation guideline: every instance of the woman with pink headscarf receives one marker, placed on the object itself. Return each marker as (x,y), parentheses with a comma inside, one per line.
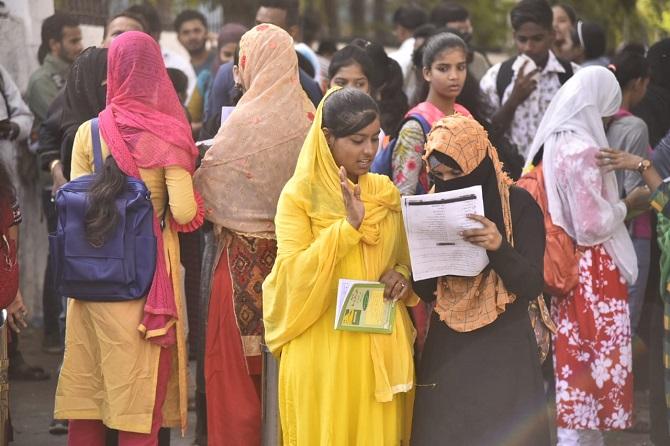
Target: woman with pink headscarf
(125,362)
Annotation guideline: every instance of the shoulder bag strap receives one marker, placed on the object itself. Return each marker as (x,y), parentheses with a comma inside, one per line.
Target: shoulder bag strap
(504,77)
(97,149)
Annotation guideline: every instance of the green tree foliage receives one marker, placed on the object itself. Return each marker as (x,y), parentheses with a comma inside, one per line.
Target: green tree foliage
(490,19)
(655,15)
(643,21)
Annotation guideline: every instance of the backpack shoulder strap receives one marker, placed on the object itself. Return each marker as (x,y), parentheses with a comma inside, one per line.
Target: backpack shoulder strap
(567,66)
(504,78)
(425,125)
(97,149)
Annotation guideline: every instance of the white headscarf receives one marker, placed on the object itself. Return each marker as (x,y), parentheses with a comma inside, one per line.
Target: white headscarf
(582,199)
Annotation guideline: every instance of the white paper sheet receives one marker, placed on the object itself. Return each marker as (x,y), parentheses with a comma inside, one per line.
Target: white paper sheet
(225,113)
(433,222)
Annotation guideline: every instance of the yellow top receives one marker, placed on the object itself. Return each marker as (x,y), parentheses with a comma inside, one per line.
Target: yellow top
(336,387)
(109,371)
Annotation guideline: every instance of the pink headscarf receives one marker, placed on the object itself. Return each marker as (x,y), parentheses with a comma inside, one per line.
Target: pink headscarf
(144,126)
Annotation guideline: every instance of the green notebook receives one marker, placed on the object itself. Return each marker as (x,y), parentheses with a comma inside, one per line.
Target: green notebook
(361,307)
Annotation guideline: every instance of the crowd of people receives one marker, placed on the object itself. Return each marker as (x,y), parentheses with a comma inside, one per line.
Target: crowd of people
(252,227)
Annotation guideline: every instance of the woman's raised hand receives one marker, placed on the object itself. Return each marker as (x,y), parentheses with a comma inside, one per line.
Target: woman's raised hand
(352,200)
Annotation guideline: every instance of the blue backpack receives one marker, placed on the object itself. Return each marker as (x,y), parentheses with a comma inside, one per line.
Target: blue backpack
(123,267)
(383,162)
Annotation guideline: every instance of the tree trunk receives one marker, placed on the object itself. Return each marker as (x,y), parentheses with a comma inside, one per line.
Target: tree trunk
(164,9)
(357,14)
(239,11)
(379,17)
(331,10)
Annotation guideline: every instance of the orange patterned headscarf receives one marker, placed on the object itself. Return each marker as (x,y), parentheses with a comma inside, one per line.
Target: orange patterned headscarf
(469,303)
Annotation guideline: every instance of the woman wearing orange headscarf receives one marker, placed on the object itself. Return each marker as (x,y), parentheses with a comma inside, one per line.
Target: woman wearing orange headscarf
(479,379)
(241,176)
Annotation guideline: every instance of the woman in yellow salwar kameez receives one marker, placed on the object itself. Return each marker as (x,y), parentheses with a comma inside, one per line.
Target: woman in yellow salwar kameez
(339,387)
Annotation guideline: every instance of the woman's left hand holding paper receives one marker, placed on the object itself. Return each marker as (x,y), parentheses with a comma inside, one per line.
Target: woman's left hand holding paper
(487,237)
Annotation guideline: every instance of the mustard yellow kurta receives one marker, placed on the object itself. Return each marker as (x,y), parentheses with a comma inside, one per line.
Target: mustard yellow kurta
(109,370)
(336,388)
(327,383)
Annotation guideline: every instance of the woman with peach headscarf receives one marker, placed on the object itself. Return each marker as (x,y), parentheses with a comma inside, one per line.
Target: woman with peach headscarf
(479,377)
(253,156)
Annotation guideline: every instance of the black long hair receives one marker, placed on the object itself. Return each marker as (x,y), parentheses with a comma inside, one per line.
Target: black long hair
(347,111)
(629,64)
(84,97)
(102,215)
(390,97)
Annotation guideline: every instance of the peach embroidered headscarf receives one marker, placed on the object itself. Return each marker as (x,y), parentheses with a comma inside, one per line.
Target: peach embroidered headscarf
(255,151)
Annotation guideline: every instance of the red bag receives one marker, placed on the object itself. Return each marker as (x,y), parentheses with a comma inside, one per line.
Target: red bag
(561,258)
(9,265)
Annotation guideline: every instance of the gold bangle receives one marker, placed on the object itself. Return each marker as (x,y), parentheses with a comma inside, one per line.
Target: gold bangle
(52,164)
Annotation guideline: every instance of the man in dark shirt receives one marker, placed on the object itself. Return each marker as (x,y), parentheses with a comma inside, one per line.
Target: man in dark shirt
(61,44)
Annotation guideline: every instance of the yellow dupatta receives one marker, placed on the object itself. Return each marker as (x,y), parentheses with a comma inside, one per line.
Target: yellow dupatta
(313,236)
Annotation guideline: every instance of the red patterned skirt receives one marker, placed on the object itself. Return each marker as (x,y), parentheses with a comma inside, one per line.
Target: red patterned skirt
(234,335)
(592,348)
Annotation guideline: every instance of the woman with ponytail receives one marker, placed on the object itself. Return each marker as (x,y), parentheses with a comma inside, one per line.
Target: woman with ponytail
(445,70)
(125,362)
(365,66)
(392,101)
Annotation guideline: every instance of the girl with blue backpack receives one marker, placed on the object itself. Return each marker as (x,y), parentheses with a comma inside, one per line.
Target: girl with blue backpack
(445,70)
(125,360)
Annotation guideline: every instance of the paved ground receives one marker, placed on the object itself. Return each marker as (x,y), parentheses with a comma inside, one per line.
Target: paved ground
(32,402)
(32,405)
